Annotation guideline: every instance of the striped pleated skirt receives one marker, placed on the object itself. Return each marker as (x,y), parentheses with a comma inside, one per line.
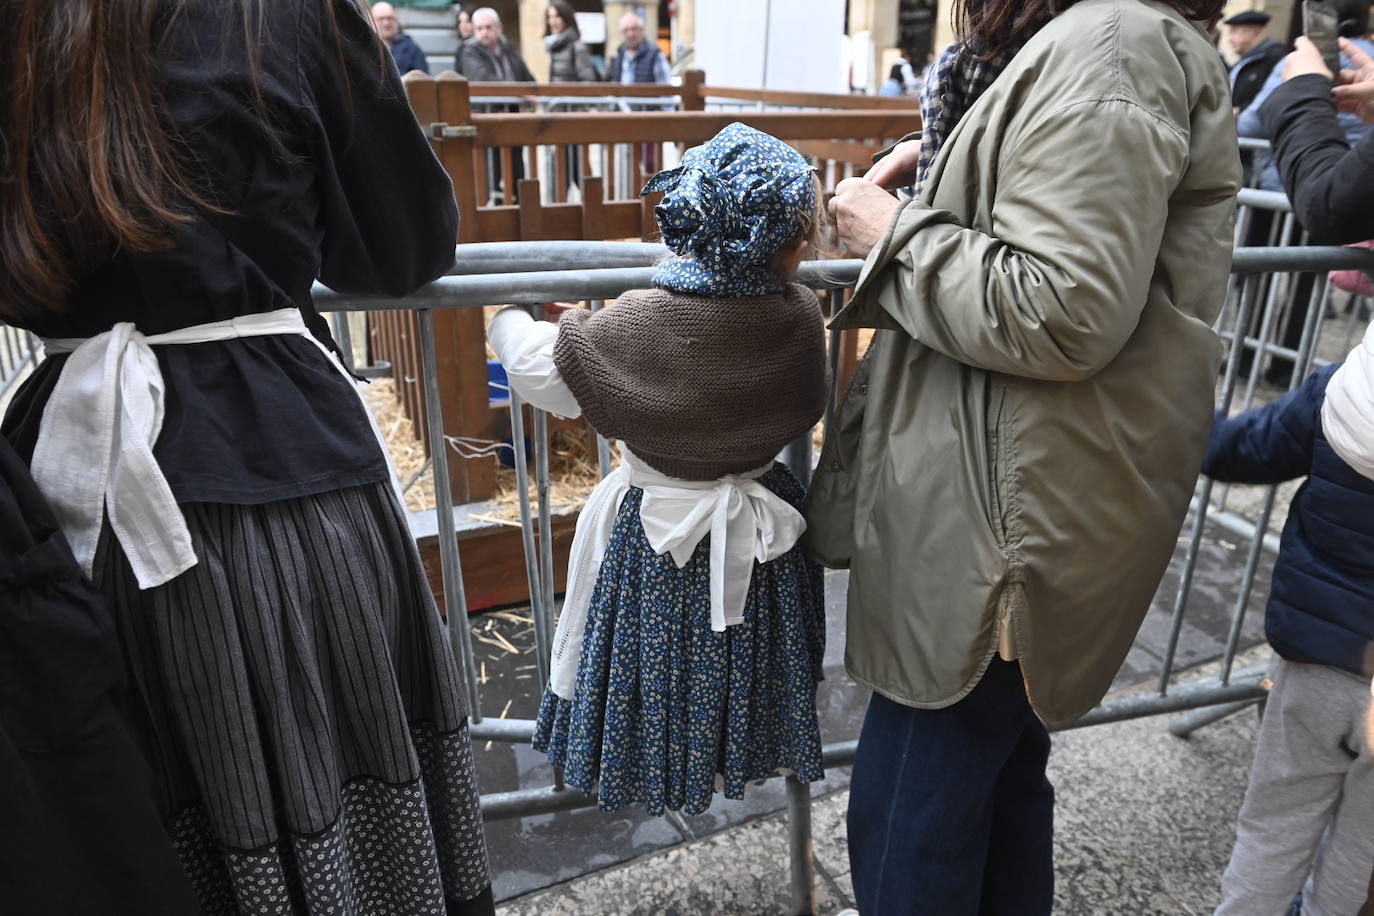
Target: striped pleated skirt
(297,691)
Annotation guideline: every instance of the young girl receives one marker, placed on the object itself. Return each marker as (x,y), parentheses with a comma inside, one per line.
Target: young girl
(690,642)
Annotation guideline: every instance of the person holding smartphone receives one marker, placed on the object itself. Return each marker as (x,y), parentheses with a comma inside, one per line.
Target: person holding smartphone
(1329,179)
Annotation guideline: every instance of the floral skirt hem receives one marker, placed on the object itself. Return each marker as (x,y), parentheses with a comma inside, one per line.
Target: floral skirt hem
(408,848)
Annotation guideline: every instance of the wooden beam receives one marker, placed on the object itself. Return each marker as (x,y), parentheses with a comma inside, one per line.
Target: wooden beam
(814,99)
(504,130)
(543,90)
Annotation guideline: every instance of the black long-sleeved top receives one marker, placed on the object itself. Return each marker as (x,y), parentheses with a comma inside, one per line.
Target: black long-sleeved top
(1330,184)
(349,192)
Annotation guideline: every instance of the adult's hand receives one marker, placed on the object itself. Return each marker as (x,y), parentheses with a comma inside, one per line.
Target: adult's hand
(862,211)
(1304,60)
(898,168)
(1356,92)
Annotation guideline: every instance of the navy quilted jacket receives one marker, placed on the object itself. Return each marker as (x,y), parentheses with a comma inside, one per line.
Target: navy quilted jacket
(1321,604)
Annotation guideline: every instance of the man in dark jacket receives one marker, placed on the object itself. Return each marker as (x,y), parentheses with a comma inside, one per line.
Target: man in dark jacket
(1313,775)
(1258,55)
(403,48)
(488,57)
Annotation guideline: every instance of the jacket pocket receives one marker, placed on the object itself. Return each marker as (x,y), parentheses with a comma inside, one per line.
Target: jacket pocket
(998,462)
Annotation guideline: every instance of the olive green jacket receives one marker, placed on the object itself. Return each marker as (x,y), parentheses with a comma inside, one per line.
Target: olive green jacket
(1022,439)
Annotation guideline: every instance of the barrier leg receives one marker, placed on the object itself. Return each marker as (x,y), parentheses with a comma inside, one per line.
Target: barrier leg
(802,899)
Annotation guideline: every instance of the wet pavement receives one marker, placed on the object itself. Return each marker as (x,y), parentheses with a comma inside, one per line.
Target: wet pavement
(535,852)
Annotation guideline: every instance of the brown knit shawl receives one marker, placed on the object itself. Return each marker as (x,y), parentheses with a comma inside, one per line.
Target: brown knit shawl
(698,387)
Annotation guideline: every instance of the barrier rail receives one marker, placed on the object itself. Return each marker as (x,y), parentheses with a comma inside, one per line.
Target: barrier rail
(535,273)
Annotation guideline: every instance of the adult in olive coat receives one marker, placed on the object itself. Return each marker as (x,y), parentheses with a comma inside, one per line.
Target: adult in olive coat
(1008,473)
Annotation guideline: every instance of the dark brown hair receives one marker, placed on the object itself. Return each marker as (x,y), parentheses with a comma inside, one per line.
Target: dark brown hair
(998,26)
(565,12)
(87,167)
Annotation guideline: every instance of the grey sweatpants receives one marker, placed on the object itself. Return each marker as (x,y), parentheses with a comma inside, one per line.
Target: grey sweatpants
(1313,778)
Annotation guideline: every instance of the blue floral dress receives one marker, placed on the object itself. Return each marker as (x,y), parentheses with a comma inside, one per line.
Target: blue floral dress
(665,708)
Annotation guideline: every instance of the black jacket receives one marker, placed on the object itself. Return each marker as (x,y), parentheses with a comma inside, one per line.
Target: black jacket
(79,830)
(1330,184)
(1321,603)
(482,66)
(408,55)
(1251,71)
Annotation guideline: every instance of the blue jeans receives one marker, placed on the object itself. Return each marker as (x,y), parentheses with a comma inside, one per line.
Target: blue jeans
(950,811)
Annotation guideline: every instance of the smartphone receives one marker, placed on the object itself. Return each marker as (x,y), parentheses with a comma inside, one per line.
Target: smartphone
(1322,25)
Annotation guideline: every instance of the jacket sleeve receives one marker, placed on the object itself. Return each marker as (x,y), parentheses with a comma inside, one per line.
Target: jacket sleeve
(1057,289)
(1270,444)
(1330,184)
(387,209)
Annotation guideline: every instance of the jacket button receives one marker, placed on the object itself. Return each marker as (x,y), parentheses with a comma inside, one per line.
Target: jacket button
(835,467)
(863,389)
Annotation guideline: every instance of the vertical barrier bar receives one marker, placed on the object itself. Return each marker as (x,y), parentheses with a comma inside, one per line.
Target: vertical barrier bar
(1247,583)
(455,598)
(522,485)
(797,456)
(343,336)
(1268,326)
(802,858)
(542,488)
(540,598)
(1316,309)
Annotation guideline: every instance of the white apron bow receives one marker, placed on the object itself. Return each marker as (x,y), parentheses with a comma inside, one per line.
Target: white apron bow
(746,522)
(94,453)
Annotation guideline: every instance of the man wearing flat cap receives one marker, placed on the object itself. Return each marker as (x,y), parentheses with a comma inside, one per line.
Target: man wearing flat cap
(1258,55)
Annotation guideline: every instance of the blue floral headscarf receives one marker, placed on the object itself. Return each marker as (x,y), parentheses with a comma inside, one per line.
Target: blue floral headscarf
(729,207)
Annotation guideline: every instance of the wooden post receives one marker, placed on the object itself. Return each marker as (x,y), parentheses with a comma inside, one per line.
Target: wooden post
(460,334)
(692,97)
(648,230)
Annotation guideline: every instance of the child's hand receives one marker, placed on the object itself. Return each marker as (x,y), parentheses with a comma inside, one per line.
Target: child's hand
(898,168)
(862,211)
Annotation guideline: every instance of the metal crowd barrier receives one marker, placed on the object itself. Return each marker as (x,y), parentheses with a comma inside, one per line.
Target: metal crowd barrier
(535,273)
(18,351)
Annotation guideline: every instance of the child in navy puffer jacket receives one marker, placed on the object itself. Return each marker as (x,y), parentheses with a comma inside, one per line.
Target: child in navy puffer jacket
(1313,775)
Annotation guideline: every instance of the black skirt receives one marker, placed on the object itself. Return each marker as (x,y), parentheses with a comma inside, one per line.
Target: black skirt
(305,712)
